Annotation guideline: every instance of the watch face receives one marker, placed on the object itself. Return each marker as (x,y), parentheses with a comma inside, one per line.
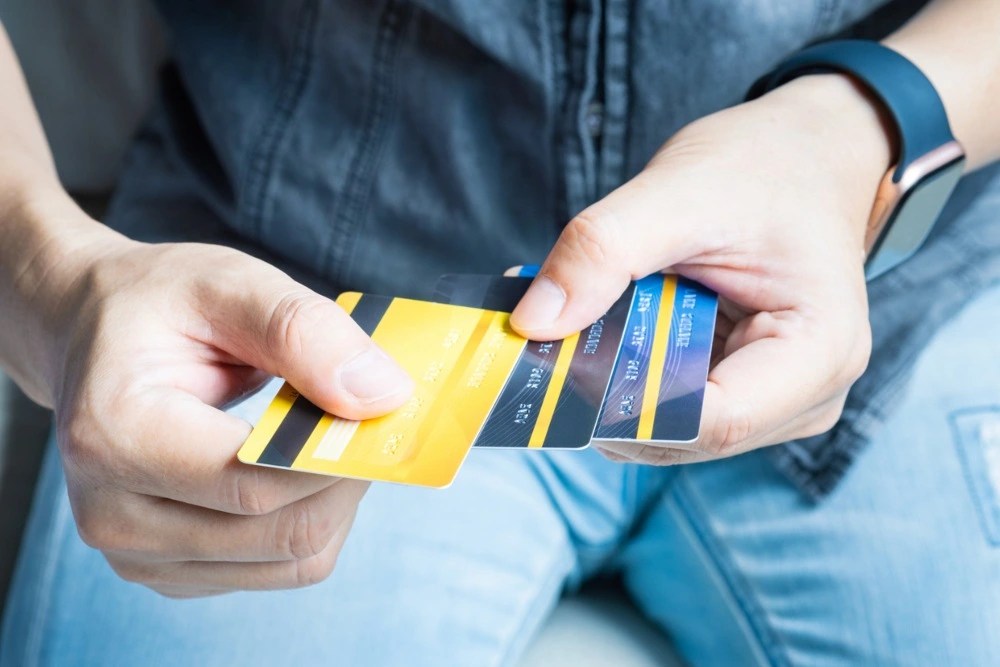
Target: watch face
(914,216)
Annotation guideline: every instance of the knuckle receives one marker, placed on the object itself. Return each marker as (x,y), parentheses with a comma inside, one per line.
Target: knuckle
(93,531)
(225,260)
(307,533)
(134,571)
(172,593)
(826,419)
(103,532)
(667,456)
(295,316)
(860,354)
(855,342)
(97,530)
(615,457)
(591,236)
(731,432)
(78,443)
(312,571)
(251,494)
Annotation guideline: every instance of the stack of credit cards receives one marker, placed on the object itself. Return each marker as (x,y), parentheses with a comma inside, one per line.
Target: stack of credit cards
(637,374)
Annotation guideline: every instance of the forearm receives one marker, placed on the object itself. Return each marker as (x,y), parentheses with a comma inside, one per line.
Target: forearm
(43,236)
(957,45)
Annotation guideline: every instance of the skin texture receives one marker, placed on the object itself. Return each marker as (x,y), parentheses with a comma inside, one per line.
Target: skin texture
(136,347)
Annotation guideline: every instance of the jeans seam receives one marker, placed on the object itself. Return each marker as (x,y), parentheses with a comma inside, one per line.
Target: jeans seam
(739,589)
(264,152)
(364,161)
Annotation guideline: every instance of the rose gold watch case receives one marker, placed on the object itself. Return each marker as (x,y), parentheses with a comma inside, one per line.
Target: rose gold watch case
(893,196)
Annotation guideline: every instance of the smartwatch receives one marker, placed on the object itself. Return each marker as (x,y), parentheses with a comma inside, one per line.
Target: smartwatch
(929,161)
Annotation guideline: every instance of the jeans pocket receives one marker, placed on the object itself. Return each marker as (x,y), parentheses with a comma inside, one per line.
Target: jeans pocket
(977,435)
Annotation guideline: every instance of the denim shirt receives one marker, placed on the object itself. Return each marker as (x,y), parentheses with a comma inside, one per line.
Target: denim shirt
(375,145)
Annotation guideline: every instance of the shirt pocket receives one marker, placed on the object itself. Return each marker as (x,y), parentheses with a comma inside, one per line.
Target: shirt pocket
(977,435)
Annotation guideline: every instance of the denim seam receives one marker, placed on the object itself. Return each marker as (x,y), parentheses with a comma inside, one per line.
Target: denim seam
(975,483)
(739,588)
(339,247)
(36,635)
(275,128)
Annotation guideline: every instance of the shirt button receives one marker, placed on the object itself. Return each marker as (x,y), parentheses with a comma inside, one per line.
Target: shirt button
(594,119)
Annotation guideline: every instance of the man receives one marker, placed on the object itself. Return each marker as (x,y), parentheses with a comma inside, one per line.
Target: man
(377,145)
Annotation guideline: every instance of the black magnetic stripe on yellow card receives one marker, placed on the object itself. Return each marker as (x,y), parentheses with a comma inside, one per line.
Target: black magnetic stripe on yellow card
(303,417)
(291,436)
(369,311)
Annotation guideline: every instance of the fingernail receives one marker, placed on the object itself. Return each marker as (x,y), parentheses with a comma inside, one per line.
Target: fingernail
(372,375)
(540,307)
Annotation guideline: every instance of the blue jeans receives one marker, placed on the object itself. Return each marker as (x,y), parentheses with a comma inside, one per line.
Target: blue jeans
(900,565)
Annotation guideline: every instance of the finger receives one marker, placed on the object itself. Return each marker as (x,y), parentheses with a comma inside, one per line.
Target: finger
(181,449)
(750,399)
(625,236)
(187,593)
(157,530)
(813,422)
(220,384)
(658,455)
(199,576)
(277,325)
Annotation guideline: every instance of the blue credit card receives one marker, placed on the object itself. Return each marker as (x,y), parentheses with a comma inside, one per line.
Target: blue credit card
(658,385)
(637,374)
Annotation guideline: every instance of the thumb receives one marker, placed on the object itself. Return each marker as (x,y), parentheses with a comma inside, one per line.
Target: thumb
(290,331)
(623,237)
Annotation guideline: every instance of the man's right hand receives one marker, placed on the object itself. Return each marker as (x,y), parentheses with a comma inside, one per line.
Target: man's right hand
(155,339)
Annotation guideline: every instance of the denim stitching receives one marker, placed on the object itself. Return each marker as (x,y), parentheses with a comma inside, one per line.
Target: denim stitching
(276,126)
(980,488)
(339,247)
(740,589)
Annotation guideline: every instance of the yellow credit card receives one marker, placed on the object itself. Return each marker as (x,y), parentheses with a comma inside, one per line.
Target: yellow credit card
(460,359)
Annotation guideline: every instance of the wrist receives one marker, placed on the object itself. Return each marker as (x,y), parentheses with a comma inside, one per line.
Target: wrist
(852,138)
(47,245)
